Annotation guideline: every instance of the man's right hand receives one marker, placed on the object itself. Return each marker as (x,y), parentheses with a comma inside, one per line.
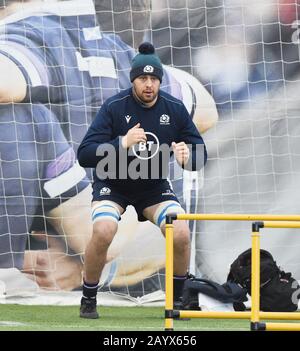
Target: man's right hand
(134,136)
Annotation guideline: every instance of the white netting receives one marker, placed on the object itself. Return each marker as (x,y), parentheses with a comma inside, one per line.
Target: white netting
(245,54)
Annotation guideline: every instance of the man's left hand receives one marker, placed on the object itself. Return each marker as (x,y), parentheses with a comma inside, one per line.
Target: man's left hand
(181,152)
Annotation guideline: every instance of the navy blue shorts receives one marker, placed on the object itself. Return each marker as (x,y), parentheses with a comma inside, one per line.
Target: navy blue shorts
(139,200)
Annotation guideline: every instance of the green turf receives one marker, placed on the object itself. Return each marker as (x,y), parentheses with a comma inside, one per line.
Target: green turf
(66,318)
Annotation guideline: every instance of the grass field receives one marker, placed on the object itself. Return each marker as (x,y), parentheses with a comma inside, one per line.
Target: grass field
(66,318)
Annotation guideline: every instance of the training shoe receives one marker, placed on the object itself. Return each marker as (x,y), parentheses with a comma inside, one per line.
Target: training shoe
(178,305)
(88,308)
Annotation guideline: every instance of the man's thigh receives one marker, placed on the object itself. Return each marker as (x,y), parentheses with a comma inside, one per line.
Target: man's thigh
(106,210)
(113,203)
(157,213)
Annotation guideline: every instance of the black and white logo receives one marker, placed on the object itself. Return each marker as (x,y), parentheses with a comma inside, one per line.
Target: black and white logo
(148,69)
(147,150)
(105,191)
(164,119)
(128,118)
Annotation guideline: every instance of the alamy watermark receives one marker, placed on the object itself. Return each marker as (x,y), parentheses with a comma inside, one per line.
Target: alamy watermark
(144,161)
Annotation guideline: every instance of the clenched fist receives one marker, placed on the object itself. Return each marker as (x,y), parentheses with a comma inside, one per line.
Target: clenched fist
(181,152)
(134,136)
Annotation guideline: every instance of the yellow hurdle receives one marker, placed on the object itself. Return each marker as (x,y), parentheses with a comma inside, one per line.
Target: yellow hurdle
(238,315)
(255,315)
(255,272)
(237,217)
(169,277)
(281,224)
(282,326)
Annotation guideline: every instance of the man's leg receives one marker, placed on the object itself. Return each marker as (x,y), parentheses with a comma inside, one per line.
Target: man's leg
(181,258)
(157,214)
(105,216)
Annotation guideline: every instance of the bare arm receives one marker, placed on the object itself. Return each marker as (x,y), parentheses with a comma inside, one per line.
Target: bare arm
(53,269)
(72,219)
(205,114)
(12,82)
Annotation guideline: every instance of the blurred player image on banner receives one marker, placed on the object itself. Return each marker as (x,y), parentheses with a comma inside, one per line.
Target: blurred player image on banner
(39,174)
(55,54)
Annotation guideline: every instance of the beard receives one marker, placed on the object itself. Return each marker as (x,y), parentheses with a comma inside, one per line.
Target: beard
(145,97)
(148,96)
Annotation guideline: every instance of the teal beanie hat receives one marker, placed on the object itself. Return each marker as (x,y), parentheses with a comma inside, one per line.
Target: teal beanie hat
(146,62)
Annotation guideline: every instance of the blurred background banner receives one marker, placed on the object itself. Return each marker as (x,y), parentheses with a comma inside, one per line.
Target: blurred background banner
(236,66)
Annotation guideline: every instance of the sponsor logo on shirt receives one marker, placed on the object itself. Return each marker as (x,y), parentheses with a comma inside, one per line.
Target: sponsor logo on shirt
(105,191)
(164,119)
(128,118)
(146,150)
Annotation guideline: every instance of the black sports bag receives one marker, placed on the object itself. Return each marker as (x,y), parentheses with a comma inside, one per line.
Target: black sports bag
(279,291)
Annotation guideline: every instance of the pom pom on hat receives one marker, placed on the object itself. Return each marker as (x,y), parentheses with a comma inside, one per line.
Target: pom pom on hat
(146,48)
(146,62)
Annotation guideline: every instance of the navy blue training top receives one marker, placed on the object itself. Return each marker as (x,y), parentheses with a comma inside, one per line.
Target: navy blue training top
(166,121)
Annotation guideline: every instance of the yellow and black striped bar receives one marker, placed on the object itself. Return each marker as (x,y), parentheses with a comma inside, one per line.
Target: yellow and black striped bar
(255,315)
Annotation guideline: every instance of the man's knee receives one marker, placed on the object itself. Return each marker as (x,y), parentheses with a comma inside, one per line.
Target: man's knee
(181,235)
(103,233)
(105,211)
(104,229)
(105,216)
(163,210)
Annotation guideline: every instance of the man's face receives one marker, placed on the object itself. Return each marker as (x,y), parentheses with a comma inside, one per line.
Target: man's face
(146,87)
